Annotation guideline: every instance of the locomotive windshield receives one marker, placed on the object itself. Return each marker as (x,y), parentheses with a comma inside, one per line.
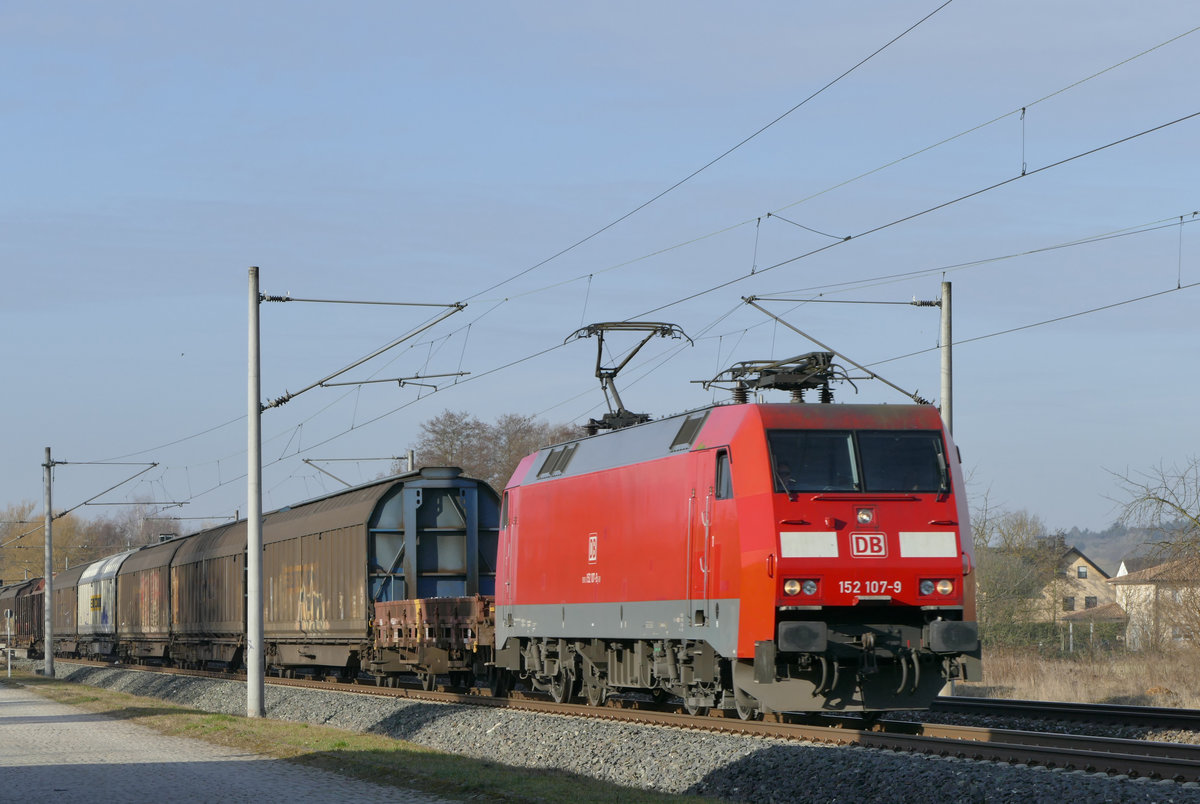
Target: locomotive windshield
(862,460)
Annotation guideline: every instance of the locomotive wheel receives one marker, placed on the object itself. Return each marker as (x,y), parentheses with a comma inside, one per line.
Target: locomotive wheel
(428,680)
(746,706)
(696,710)
(562,687)
(595,691)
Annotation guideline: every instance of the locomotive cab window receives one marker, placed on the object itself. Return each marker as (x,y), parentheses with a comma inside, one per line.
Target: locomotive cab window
(813,460)
(724,481)
(903,461)
(865,460)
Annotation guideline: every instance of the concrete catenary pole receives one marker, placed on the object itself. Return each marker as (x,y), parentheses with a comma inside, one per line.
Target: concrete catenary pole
(48,574)
(254,610)
(947,361)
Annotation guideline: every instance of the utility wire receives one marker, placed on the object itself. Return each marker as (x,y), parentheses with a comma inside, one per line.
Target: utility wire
(1054,320)
(722,231)
(730,228)
(775,213)
(713,161)
(915,215)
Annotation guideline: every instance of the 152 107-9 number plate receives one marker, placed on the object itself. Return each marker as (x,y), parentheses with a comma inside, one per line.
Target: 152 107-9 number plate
(869,587)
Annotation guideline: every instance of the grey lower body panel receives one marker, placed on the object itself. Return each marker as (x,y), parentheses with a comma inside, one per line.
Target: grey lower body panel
(642,620)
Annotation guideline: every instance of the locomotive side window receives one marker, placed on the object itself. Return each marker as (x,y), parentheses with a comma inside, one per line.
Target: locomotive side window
(556,462)
(688,431)
(903,461)
(724,484)
(813,460)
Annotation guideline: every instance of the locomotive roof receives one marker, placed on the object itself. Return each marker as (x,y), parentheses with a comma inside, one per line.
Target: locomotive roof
(681,433)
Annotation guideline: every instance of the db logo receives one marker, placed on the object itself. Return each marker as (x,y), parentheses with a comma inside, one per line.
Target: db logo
(593,547)
(868,545)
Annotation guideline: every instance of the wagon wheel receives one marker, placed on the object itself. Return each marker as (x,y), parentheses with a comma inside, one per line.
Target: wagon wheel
(562,687)
(461,678)
(428,680)
(499,682)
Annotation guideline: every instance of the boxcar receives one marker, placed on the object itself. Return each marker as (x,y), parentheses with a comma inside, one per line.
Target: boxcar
(144,603)
(25,601)
(208,597)
(97,606)
(431,554)
(65,615)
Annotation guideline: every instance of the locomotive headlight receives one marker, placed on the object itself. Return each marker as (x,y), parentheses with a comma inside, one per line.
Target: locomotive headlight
(791,587)
(809,587)
(945,587)
(927,587)
(865,516)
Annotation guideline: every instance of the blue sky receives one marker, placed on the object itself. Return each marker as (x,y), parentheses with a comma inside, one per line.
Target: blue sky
(424,153)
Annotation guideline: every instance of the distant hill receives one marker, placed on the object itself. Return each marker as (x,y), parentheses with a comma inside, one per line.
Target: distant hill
(1107,547)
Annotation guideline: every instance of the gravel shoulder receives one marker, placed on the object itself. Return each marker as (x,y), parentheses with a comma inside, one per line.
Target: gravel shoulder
(648,757)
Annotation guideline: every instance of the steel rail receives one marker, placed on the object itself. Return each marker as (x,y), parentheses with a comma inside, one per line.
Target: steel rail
(1066,710)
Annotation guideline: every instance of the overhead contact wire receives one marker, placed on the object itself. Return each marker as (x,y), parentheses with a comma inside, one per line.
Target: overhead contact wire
(715,160)
(915,215)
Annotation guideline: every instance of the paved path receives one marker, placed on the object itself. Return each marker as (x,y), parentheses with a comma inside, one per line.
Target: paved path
(50,752)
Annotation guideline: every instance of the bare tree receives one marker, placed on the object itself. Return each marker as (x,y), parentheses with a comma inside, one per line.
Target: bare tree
(1017,561)
(453,438)
(1166,501)
(514,436)
(489,452)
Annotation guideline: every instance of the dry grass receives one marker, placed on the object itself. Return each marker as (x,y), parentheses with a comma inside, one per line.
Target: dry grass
(1142,679)
(364,756)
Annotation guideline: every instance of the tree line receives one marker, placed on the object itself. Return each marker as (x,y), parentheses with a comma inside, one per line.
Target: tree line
(76,540)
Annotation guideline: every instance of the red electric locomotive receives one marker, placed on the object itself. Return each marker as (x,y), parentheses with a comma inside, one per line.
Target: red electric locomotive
(757,557)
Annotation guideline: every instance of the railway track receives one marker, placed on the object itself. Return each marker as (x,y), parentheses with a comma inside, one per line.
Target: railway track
(1113,756)
(1149,716)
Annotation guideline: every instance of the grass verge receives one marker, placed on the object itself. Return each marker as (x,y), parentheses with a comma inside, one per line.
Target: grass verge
(369,757)
(1167,678)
